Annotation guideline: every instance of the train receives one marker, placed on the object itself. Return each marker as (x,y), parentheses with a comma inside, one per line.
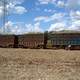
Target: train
(46,40)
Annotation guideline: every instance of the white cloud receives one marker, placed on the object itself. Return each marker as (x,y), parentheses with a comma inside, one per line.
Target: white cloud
(73,4)
(49,10)
(14,28)
(1,11)
(69,4)
(7,27)
(20,10)
(61,22)
(57,27)
(12,7)
(75,26)
(75,15)
(8,24)
(40,18)
(37,27)
(20,28)
(46,1)
(75,20)
(55,17)
(60,4)
(33,28)
(29,27)
(15,2)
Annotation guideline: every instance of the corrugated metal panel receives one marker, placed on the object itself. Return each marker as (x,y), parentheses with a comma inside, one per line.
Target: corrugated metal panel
(31,40)
(6,40)
(64,39)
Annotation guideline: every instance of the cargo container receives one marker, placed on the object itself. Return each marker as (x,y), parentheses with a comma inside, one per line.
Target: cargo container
(31,40)
(6,41)
(64,40)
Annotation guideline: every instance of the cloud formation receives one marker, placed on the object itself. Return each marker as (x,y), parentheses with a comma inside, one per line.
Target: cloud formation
(57,27)
(73,4)
(40,18)
(55,17)
(68,4)
(20,28)
(1,11)
(11,7)
(34,28)
(20,10)
(46,1)
(52,15)
(60,4)
(75,15)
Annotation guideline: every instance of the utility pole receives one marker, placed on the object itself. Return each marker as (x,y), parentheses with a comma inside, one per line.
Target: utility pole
(4,15)
(3,4)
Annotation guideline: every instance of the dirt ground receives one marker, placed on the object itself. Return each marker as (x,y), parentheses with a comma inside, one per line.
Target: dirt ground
(39,64)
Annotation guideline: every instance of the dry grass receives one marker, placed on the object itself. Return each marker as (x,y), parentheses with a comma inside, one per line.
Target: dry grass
(31,64)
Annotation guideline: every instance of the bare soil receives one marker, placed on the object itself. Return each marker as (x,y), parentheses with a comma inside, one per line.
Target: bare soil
(39,64)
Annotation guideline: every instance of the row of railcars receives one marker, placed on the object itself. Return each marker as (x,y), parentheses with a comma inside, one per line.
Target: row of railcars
(22,41)
(51,40)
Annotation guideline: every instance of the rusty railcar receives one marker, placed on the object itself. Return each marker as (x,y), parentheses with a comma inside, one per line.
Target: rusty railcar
(64,40)
(31,40)
(7,41)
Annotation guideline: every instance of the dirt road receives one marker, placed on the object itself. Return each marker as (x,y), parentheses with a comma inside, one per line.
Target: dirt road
(39,64)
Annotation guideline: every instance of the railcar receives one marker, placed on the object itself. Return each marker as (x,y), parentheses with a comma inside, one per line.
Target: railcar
(64,40)
(31,40)
(6,41)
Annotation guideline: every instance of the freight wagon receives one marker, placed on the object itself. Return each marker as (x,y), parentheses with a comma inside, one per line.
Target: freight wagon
(64,40)
(7,41)
(31,40)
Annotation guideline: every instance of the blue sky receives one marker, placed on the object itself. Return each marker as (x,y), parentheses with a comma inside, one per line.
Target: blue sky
(24,16)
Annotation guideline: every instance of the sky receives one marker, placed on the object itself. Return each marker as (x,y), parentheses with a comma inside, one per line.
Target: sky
(23,16)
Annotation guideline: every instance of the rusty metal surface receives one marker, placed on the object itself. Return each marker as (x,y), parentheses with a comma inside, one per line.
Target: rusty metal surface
(6,40)
(31,40)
